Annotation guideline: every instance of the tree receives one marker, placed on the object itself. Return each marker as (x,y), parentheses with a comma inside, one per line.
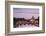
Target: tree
(33,20)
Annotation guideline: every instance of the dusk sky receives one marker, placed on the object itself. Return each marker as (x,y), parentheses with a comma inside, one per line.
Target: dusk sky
(25,12)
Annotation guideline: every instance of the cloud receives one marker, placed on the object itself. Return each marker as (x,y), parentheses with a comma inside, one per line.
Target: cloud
(26,10)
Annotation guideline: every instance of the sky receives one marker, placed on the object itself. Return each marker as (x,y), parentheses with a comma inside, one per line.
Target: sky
(26,13)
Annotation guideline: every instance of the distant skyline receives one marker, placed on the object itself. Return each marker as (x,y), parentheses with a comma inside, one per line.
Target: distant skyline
(25,12)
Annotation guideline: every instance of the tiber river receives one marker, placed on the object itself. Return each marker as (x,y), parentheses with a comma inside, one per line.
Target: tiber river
(26,25)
